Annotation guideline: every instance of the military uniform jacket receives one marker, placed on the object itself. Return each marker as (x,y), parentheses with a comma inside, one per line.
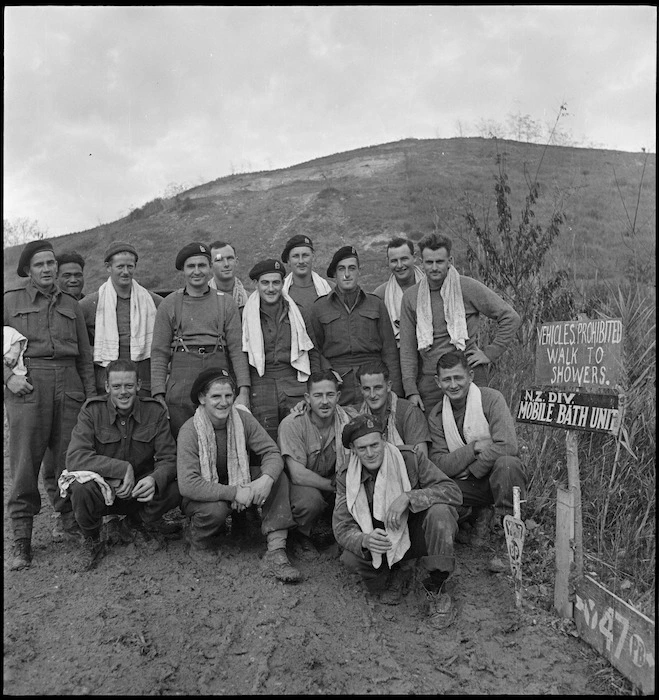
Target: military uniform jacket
(105,442)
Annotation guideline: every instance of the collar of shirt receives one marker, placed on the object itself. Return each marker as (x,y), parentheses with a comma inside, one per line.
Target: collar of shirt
(335,293)
(136,411)
(33,290)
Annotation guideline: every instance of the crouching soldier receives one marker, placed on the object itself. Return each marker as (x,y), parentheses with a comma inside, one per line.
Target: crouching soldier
(121,460)
(394,505)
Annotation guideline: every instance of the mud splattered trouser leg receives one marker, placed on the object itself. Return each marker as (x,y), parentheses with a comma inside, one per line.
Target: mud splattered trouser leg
(207,518)
(497,487)
(307,503)
(42,419)
(432,533)
(89,506)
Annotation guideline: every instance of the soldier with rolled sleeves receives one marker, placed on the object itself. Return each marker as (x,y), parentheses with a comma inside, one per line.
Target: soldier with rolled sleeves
(196,328)
(120,317)
(121,447)
(352,327)
(43,405)
(394,506)
(303,284)
(280,352)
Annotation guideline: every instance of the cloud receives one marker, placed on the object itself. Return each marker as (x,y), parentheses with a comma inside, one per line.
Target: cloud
(104,106)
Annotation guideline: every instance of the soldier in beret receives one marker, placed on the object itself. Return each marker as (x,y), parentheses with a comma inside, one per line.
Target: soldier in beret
(394,507)
(120,317)
(196,328)
(352,327)
(43,405)
(280,351)
(302,283)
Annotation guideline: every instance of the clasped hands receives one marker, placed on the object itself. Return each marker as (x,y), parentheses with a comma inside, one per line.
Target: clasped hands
(255,493)
(378,541)
(143,490)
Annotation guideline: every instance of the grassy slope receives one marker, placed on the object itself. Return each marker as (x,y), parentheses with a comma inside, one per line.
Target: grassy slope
(365,196)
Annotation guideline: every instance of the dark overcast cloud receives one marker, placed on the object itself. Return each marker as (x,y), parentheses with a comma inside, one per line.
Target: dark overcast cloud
(105,106)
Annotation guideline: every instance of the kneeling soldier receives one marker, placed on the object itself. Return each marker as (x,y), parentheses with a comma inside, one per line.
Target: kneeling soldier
(121,460)
(395,505)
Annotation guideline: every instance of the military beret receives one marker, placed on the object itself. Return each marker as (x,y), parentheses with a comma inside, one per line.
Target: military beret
(266,266)
(296,242)
(363,424)
(205,379)
(31,248)
(119,247)
(189,250)
(347,251)
(71,256)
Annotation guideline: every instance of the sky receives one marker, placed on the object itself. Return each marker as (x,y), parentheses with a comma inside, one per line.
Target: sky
(105,108)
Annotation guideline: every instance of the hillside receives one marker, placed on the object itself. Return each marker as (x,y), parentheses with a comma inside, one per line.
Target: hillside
(366,196)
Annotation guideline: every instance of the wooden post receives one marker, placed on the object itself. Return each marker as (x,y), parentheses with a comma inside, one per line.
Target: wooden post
(574,484)
(564,553)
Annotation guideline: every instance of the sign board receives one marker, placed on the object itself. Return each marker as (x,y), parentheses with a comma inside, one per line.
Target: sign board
(595,413)
(515,531)
(583,354)
(617,631)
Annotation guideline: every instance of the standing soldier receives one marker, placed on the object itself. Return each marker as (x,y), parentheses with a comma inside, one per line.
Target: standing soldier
(280,352)
(302,283)
(120,317)
(224,261)
(42,406)
(404,274)
(441,314)
(196,328)
(352,327)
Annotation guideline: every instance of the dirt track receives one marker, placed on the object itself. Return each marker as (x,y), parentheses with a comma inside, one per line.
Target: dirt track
(150,622)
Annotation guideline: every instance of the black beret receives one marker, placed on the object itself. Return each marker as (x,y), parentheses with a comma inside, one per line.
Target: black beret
(71,256)
(205,379)
(347,251)
(266,266)
(296,242)
(194,248)
(119,247)
(363,424)
(31,248)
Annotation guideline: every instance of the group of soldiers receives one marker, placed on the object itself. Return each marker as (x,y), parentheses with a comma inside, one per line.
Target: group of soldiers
(305,400)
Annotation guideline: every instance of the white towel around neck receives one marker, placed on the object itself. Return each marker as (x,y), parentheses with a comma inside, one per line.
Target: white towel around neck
(475,425)
(321,285)
(106,333)
(393,295)
(454,312)
(253,337)
(392,480)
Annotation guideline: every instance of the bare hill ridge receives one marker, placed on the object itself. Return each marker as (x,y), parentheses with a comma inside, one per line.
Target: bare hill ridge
(365,196)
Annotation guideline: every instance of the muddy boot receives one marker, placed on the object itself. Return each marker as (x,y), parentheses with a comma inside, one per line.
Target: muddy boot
(441,610)
(93,550)
(302,547)
(117,531)
(21,554)
(66,529)
(275,563)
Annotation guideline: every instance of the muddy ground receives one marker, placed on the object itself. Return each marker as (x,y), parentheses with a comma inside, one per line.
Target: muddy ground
(149,621)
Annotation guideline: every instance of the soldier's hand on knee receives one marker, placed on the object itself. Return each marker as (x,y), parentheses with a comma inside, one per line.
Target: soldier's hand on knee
(261,488)
(377,541)
(244,498)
